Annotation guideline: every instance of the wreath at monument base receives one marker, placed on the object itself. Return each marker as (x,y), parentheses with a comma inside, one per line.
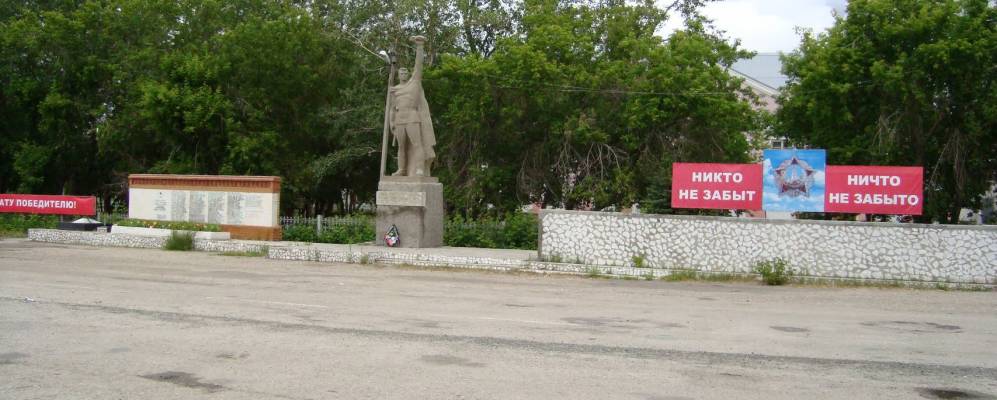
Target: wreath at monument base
(391,238)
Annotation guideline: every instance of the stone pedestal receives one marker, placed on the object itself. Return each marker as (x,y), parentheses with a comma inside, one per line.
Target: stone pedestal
(415,206)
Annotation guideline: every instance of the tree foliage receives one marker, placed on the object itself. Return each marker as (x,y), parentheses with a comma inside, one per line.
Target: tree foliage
(903,82)
(565,103)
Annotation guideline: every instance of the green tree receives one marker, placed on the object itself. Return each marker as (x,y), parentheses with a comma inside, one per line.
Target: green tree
(586,106)
(562,102)
(903,82)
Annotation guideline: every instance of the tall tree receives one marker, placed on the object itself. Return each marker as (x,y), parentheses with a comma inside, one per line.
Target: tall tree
(903,82)
(586,107)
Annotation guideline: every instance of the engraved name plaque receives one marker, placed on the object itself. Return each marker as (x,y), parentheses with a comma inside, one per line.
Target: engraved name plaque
(404,199)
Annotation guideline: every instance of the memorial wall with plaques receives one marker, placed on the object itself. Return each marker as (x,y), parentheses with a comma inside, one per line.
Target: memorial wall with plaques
(248,207)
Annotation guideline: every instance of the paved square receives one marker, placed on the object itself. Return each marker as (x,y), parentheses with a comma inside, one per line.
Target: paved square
(84,322)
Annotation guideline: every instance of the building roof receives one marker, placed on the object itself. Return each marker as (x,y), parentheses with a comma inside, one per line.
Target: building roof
(764,69)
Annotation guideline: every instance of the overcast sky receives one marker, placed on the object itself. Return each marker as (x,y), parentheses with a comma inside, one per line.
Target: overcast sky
(768,25)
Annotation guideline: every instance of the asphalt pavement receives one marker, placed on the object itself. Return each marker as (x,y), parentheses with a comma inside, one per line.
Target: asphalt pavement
(109,323)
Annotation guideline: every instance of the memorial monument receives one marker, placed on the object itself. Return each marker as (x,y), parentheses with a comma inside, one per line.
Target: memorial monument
(410,199)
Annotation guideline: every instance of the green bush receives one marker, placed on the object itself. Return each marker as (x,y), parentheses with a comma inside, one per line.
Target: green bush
(515,231)
(172,225)
(520,231)
(774,272)
(179,241)
(300,233)
(339,233)
(18,224)
(347,233)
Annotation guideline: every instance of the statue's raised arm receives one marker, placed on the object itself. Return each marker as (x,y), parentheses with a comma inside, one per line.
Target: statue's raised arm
(420,54)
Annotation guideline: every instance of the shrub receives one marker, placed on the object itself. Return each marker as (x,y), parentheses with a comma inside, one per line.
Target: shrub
(347,233)
(179,241)
(514,231)
(300,233)
(520,231)
(18,224)
(774,272)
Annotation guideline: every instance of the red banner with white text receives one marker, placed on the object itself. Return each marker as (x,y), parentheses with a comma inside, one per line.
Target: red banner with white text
(720,186)
(874,190)
(45,204)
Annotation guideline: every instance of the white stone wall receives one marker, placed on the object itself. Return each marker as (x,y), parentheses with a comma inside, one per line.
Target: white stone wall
(910,252)
(103,239)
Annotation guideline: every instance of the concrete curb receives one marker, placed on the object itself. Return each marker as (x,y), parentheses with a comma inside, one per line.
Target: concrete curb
(363,254)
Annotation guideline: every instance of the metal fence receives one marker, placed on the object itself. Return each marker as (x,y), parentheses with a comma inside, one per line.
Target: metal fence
(110,217)
(321,222)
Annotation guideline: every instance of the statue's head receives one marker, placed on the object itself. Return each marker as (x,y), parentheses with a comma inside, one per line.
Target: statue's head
(403,75)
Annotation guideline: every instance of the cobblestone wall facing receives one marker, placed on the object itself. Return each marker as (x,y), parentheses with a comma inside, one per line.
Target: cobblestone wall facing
(103,239)
(910,252)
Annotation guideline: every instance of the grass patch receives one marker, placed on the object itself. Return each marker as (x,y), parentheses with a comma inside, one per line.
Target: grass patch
(551,258)
(13,234)
(648,276)
(726,277)
(179,241)
(17,225)
(639,261)
(692,275)
(593,272)
(681,275)
(888,284)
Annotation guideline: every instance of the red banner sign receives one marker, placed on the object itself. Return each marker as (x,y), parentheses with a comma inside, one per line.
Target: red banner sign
(874,190)
(44,204)
(721,186)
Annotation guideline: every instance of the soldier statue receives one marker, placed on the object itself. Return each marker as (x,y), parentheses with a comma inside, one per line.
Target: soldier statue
(408,116)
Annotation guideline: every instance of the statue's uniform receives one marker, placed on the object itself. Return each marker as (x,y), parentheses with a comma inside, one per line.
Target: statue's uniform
(410,118)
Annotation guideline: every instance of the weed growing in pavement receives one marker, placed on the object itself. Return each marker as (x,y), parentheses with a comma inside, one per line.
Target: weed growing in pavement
(773,272)
(551,258)
(179,241)
(639,261)
(593,272)
(680,275)
(649,276)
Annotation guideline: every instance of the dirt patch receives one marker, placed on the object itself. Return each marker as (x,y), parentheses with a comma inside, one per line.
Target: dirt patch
(10,358)
(450,360)
(232,356)
(914,327)
(620,323)
(790,329)
(184,379)
(949,393)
